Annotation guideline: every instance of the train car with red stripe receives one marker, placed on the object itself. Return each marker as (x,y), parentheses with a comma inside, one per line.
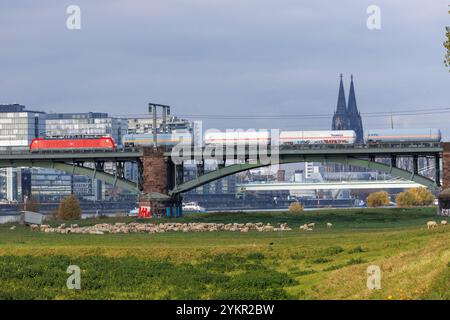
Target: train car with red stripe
(318,137)
(73,144)
(285,137)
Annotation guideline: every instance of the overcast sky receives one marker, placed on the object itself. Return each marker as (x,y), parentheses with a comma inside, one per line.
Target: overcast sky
(227,57)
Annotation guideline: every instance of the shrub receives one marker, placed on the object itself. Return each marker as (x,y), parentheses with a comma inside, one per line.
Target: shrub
(69,208)
(357,250)
(405,199)
(415,197)
(330,251)
(378,199)
(31,204)
(296,207)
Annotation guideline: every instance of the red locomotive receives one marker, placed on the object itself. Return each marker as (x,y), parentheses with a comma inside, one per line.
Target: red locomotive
(65,144)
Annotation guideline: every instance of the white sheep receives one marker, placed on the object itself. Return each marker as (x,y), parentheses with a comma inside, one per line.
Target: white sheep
(311,225)
(444,222)
(329,225)
(12,228)
(431,224)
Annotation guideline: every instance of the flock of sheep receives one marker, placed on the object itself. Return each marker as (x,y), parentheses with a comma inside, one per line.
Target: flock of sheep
(134,227)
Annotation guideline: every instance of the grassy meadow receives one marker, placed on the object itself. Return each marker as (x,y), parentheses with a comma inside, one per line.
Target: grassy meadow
(322,264)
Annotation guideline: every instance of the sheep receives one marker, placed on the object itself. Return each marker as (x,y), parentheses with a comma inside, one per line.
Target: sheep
(329,225)
(311,225)
(12,228)
(444,222)
(431,224)
(135,227)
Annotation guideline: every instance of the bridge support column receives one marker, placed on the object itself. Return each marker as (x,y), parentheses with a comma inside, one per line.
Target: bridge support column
(394,161)
(437,169)
(446,165)
(158,177)
(415,164)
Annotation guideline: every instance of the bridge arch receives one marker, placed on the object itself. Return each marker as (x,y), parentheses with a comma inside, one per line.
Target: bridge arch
(285,159)
(112,179)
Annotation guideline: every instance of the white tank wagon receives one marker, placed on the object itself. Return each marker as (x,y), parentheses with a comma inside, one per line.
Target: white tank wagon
(237,137)
(402,135)
(163,139)
(318,137)
(285,137)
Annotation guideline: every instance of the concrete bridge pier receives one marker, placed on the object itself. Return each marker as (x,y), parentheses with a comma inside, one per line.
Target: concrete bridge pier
(159,175)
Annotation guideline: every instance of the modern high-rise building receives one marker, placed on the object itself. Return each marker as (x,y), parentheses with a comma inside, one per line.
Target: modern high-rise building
(18,127)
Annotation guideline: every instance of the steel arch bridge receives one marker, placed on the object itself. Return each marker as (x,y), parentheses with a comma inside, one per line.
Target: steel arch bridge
(92,164)
(285,159)
(75,163)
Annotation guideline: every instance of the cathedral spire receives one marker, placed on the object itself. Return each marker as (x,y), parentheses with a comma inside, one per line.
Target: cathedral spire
(352,107)
(341,105)
(353,116)
(340,120)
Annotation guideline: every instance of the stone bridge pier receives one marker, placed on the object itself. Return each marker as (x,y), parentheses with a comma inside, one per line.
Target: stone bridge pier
(446,165)
(157,178)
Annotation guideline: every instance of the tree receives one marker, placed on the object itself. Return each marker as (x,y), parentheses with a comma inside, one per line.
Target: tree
(296,207)
(447,46)
(415,197)
(378,199)
(69,208)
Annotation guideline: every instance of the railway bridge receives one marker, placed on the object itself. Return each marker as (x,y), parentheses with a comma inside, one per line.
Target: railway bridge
(160,171)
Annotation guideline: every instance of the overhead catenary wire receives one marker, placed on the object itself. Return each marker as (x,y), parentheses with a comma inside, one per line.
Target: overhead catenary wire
(381,114)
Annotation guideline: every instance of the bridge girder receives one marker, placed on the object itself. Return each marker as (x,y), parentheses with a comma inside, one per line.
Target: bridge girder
(73,168)
(284,159)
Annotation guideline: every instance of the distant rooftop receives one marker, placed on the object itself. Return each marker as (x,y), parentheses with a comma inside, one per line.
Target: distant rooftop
(15,107)
(85,115)
(12,107)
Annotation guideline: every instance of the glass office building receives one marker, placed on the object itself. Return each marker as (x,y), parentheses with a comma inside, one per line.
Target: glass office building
(18,127)
(85,124)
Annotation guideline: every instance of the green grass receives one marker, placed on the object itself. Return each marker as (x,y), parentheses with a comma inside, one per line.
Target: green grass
(323,264)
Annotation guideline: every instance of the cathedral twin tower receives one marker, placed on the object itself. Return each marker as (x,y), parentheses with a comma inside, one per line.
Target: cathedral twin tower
(347,117)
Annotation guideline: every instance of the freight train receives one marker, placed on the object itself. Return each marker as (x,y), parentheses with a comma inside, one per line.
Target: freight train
(325,137)
(286,138)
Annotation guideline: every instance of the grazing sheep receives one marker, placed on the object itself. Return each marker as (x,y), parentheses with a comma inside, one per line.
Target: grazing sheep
(431,224)
(135,227)
(329,225)
(311,225)
(443,222)
(12,228)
